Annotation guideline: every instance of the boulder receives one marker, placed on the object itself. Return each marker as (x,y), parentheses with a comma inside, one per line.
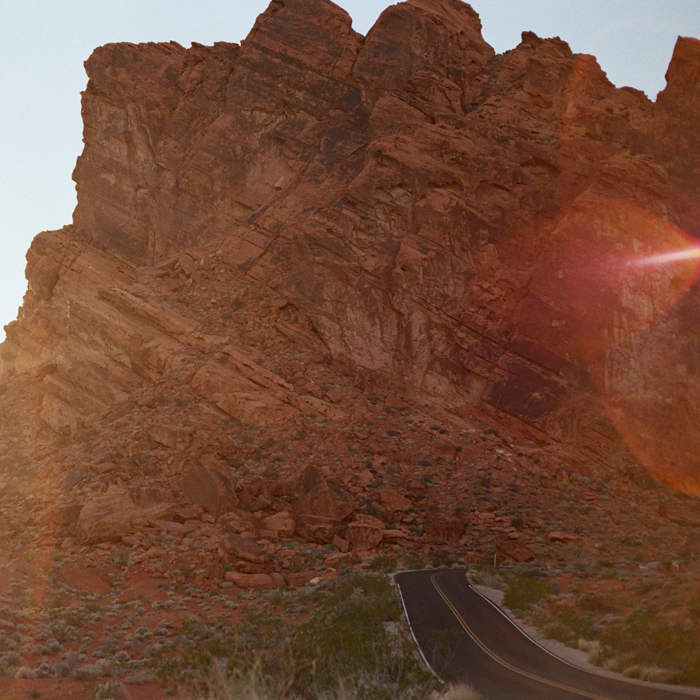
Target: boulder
(295,482)
(319,513)
(516,551)
(242,521)
(316,528)
(214,571)
(65,515)
(182,515)
(336,445)
(251,580)
(106,518)
(245,393)
(369,520)
(169,436)
(341,544)
(73,478)
(564,537)
(143,517)
(393,500)
(334,560)
(334,395)
(396,535)
(324,500)
(145,496)
(686,514)
(211,488)
(278,579)
(444,449)
(365,533)
(243,548)
(280,523)
(366,478)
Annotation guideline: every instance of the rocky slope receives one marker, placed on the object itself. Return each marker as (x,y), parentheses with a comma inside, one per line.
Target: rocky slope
(459,220)
(383,294)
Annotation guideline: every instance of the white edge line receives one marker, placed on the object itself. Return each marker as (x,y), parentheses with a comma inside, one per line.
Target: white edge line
(410,627)
(532,639)
(680,690)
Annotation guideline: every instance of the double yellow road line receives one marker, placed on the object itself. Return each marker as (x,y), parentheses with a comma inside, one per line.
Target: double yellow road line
(503,662)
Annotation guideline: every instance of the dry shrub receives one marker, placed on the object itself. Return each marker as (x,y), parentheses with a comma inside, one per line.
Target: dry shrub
(653,674)
(460,691)
(593,649)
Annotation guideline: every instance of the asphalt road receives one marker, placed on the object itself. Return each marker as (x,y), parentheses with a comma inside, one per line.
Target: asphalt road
(464,635)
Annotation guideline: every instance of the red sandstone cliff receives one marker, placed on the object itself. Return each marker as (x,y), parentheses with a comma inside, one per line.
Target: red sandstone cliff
(464,222)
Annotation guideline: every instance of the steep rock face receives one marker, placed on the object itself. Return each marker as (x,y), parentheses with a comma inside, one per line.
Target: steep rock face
(675,120)
(475,225)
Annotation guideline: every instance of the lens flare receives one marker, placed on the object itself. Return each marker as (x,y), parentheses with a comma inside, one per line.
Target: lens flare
(691,253)
(607,274)
(610,294)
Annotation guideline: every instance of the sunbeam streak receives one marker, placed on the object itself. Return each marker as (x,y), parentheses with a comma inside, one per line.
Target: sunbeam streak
(666,258)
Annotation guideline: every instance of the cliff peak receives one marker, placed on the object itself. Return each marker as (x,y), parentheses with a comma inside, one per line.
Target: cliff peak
(677,131)
(412,35)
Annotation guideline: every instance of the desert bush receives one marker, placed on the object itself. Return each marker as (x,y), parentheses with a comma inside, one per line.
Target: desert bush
(413,560)
(442,649)
(649,643)
(385,563)
(603,604)
(524,591)
(653,674)
(460,692)
(357,634)
(440,558)
(569,627)
(112,690)
(592,648)
(484,575)
(248,683)
(254,684)
(355,646)
(642,647)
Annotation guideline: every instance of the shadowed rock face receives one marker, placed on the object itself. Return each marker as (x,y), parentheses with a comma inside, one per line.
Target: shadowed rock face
(468,223)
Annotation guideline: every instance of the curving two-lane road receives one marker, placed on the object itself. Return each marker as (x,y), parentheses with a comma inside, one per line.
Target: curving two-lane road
(461,633)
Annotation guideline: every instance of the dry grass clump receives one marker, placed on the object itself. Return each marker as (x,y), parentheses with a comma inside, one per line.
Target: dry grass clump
(486,576)
(240,684)
(460,691)
(594,650)
(653,674)
(522,592)
(253,684)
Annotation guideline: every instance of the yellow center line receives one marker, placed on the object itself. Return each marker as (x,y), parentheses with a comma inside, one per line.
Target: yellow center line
(501,661)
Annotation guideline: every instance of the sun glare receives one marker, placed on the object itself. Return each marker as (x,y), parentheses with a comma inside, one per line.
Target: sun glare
(665,258)
(612,272)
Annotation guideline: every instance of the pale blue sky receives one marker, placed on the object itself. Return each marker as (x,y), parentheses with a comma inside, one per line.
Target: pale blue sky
(43,44)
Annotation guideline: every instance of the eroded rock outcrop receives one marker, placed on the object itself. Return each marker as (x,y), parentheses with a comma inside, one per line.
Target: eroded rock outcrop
(474,225)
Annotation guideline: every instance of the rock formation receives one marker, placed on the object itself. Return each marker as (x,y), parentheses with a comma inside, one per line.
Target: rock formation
(331,303)
(471,228)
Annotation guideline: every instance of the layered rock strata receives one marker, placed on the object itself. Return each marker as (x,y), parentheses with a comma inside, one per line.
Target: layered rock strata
(477,226)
